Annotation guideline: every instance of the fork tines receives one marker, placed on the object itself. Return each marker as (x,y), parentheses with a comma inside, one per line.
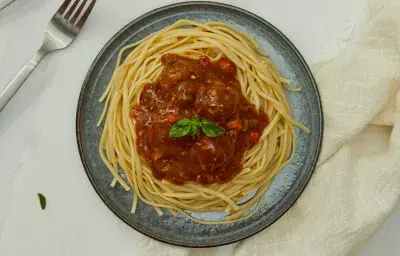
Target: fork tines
(69,8)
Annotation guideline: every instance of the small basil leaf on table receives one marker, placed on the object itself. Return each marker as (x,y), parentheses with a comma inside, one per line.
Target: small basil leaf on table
(180,128)
(42,200)
(210,129)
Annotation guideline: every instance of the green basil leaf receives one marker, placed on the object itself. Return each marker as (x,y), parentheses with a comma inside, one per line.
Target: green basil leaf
(183,122)
(195,121)
(42,200)
(180,128)
(192,127)
(194,131)
(211,129)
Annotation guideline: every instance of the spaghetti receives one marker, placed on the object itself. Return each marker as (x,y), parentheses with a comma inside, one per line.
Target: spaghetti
(260,83)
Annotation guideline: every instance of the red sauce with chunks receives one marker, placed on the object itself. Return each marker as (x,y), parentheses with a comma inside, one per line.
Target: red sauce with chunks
(210,91)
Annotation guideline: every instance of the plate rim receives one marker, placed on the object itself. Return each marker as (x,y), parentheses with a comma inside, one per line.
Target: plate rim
(264,22)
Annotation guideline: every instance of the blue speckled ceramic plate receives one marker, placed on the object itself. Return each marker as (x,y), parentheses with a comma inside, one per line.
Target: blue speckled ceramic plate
(287,186)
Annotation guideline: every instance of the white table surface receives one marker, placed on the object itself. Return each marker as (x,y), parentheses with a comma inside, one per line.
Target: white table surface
(38,151)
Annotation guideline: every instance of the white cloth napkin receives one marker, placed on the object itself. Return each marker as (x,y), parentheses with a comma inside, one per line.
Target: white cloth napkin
(357,182)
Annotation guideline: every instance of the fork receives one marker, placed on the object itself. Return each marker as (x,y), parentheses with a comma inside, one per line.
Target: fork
(62,29)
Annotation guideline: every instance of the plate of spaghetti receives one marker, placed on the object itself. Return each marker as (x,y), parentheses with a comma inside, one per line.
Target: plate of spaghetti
(199,124)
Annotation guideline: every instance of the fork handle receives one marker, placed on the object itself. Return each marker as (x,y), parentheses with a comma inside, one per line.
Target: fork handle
(19,79)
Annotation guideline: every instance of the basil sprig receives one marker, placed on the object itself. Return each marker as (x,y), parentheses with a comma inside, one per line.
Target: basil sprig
(193,126)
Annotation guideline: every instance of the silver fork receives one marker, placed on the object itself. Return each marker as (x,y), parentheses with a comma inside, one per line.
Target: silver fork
(62,29)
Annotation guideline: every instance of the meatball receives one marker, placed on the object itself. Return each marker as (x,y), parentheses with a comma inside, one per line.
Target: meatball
(175,71)
(186,94)
(167,168)
(214,152)
(217,102)
(150,96)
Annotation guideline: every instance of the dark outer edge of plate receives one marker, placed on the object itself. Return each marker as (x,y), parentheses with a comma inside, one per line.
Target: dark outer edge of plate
(209,4)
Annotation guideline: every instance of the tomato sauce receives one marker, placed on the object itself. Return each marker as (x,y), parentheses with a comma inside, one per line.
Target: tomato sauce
(210,91)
